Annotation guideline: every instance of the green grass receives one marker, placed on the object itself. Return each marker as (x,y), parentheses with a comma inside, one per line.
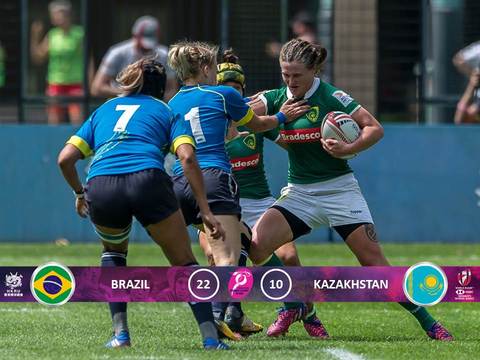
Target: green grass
(167,331)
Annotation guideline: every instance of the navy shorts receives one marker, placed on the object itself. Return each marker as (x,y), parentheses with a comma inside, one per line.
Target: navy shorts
(114,199)
(222,195)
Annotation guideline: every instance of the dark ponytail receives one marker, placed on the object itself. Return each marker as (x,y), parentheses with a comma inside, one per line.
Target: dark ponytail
(145,76)
(229,57)
(311,55)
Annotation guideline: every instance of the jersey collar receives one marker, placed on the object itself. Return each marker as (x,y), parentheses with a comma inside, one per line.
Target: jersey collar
(310,92)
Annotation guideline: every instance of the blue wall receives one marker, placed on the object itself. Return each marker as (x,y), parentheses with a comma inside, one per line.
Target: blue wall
(419,182)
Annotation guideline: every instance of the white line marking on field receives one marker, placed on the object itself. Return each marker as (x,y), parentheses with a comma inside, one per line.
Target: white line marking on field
(342,354)
(28,310)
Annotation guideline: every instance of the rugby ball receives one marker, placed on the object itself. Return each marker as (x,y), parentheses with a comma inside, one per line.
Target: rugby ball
(340,126)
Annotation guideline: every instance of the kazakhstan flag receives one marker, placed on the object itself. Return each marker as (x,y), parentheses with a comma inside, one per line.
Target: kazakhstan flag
(425,284)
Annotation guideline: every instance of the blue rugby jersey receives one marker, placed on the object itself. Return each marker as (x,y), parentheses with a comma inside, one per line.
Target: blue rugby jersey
(129,134)
(209,110)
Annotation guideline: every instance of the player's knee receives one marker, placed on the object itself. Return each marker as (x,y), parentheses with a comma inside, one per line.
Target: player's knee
(289,258)
(257,253)
(374,257)
(226,260)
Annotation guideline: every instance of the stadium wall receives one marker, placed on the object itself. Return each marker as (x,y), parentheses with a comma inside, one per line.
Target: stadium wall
(420,183)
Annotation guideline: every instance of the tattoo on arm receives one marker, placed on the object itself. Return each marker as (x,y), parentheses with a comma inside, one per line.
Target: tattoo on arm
(371,233)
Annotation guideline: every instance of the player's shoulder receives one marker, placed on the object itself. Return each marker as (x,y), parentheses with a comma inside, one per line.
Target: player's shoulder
(332,93)
(274,94)
(226,92)
(157,104)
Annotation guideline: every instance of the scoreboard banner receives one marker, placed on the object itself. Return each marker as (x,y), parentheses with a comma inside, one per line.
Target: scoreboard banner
(423,284)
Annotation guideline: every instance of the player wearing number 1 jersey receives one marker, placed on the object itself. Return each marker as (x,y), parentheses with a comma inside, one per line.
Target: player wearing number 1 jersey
(128,136)
(209,110)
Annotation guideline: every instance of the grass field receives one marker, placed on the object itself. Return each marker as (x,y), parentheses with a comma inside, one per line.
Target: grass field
(166,331)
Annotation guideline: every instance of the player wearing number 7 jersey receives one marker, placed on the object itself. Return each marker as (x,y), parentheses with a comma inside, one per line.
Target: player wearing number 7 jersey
(209,109)
(128,136)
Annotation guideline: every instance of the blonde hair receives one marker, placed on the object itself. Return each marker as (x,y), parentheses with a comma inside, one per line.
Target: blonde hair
(311,55)
(138,75)
(187,58)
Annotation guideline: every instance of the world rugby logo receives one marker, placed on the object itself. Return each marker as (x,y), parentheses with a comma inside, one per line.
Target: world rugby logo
(52,284)
(464,277)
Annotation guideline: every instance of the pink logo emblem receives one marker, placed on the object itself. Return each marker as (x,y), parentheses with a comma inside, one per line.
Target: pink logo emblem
(240,284)
(464,277)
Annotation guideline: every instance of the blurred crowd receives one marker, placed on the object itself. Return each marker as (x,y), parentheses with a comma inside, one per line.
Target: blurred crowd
(60,51)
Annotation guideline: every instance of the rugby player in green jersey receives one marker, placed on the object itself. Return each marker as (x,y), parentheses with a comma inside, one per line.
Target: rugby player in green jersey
(322,190)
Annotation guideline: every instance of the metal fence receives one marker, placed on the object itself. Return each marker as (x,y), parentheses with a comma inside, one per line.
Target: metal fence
(394,56)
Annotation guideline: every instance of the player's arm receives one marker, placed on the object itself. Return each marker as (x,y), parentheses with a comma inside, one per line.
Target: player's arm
(243,114)
(274,136)
(371,133)
(67,159)
(186,154)
(289,111)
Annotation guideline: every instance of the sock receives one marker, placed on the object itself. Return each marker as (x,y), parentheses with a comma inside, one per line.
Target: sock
(275,261)
(310,314)
(202,311)
(242,261)
(118,310)
(203,314)
(421,314)
(219,309)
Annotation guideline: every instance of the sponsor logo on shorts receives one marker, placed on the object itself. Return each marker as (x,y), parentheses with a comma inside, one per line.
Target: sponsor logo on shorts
(52,284)
(425,284)
(355,212)
(301,135)
(245,162)
(464,292)
(343,97)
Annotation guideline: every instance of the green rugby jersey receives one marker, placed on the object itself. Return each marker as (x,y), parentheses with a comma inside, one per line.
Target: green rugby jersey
(246,158)
(308,161)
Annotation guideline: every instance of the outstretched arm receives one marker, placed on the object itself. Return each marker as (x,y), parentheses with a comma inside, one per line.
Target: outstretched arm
(289,111)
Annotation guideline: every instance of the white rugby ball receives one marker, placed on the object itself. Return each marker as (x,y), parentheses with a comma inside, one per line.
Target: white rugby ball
(340,126)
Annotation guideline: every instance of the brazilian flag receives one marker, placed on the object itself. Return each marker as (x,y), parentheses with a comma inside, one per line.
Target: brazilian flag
(52,284)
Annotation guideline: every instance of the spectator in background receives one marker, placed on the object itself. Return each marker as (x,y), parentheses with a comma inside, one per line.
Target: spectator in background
(62,46)
(468,108)
(303,27)
(467,59)
(144,43)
